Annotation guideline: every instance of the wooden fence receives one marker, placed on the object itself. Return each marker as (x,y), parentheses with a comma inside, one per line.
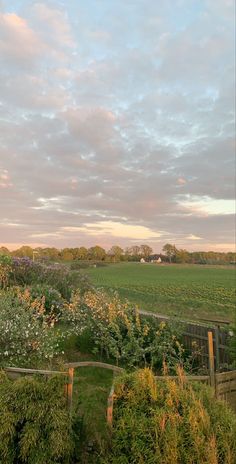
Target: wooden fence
(225,387)
(16,372)
(197,334)
(224,384)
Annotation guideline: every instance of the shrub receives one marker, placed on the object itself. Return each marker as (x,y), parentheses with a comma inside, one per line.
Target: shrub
(5,269)
(27,272)
(169,422)
(27,335)
(35,427)
(120,333)
(77,265)
(53,300)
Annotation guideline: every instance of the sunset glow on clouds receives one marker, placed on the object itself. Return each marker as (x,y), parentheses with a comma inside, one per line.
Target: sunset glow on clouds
(117,123)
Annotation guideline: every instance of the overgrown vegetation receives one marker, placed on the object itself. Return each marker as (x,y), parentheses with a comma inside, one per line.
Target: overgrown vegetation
(27,334)
(119,333)
(169,422)
(35,426)
(48,309)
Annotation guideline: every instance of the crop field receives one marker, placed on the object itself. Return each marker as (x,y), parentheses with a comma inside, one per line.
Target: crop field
(191,291)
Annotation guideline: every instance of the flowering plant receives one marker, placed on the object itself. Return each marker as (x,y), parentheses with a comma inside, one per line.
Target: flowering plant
(119,332)
(27,334)
(28,272)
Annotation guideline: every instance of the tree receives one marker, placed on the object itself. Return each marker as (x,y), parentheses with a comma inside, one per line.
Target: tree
(81,253)
(183,256)
(116,252)
(67,254)
(97,253)
(24,252)
(133,252)
(49,253)
(170,251)
(4,251)
(145,251)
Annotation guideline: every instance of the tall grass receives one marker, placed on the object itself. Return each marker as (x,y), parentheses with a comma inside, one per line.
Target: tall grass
(169,422)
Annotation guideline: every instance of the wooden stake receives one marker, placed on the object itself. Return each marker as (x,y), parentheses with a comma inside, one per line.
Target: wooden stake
(110,407)
(70,387)
(211,359)
(217,349)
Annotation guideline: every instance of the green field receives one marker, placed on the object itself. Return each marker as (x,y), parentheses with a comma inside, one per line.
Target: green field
(190,291)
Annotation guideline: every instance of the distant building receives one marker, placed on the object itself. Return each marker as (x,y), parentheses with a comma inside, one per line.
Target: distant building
(155,259)
(142,260)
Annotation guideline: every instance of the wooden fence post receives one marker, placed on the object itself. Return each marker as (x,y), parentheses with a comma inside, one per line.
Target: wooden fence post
(70,387)
(110,407)
(211,359)
(217,350)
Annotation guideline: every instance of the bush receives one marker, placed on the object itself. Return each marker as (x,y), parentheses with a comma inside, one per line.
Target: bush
(64,280)
(53,300)
(169,422)
(5,270)
(27,272)
(120,333)
(77,265)
(27,335)
(35,427)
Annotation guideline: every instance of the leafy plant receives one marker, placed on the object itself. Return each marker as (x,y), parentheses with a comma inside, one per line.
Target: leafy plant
(35,426)
(120,333)
(169,422)
(27,335)
(53,300)
(28,272)
(5,269)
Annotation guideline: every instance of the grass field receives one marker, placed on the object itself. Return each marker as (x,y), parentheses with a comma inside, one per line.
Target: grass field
(190,291)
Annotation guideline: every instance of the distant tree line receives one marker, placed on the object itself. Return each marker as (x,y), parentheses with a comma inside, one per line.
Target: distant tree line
(170,254)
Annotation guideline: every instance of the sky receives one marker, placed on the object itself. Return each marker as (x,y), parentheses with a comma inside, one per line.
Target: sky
(117,123)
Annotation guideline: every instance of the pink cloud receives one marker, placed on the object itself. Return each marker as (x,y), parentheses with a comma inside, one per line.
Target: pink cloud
(18,42)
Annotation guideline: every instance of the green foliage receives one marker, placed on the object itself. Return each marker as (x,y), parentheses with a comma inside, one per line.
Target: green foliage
(53,300)
(170,251)
(35,426)
(59,277)
(97,253)
(25,271)
(169,422)
(27,335)
(120,333)
(5,270)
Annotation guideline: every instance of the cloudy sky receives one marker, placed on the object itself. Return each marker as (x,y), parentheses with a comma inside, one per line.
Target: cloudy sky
(117,123)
